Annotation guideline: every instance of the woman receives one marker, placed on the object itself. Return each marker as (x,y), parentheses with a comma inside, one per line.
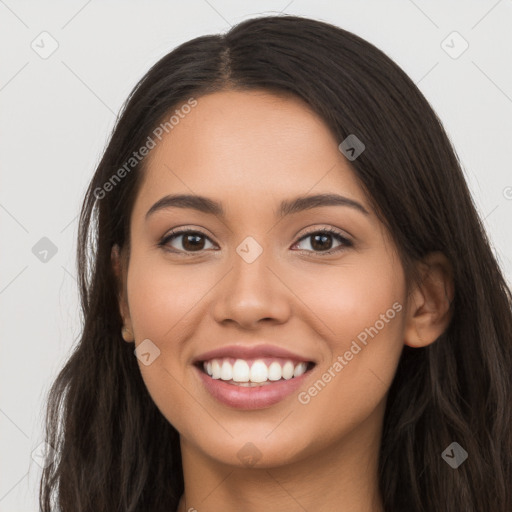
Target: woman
(291,303)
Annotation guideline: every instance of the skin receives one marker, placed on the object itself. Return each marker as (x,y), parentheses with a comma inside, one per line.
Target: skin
(262,148)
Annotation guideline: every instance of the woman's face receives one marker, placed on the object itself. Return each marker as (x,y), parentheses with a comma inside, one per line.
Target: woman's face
(260,277)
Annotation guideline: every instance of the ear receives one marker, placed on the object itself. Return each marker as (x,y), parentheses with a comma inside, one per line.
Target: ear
(120,268)
(429,309)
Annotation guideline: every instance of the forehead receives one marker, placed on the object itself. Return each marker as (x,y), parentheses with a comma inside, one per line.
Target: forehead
(253,145)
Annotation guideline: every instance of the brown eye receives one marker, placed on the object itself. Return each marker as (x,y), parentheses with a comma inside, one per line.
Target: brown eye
(190,241)
(321,241)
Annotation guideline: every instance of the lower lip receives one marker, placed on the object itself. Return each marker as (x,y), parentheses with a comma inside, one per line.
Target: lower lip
(258,397)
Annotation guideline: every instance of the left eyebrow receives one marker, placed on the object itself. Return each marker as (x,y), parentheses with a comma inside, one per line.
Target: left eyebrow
(287,207)
(299,204)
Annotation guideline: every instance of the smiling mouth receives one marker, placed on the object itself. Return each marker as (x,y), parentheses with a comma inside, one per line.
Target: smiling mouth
(254,372)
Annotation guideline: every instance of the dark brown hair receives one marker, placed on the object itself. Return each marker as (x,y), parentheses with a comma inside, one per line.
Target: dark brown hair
(116,451)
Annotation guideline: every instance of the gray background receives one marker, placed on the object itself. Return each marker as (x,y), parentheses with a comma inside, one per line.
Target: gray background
(57,113)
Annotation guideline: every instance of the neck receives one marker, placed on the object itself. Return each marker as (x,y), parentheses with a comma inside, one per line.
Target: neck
(342,476)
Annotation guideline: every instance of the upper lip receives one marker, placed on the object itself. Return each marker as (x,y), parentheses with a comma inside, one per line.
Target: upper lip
(249,352)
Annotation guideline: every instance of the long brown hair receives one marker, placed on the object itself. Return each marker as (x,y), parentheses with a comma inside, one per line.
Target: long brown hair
(115,450)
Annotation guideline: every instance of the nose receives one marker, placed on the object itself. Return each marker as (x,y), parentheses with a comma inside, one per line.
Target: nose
(252,293)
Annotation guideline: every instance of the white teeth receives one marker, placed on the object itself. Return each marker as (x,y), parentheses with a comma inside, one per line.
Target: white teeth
(274,371)
(226,371)
(288,370)
(259,373)
(240,371)
(215,369)
(299,369)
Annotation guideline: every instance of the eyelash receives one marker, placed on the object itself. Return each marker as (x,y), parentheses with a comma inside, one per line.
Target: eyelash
(345,242)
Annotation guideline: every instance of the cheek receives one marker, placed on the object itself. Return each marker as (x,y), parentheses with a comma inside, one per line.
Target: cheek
(364,313)
(163,297)
(348,300)
(164,302)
